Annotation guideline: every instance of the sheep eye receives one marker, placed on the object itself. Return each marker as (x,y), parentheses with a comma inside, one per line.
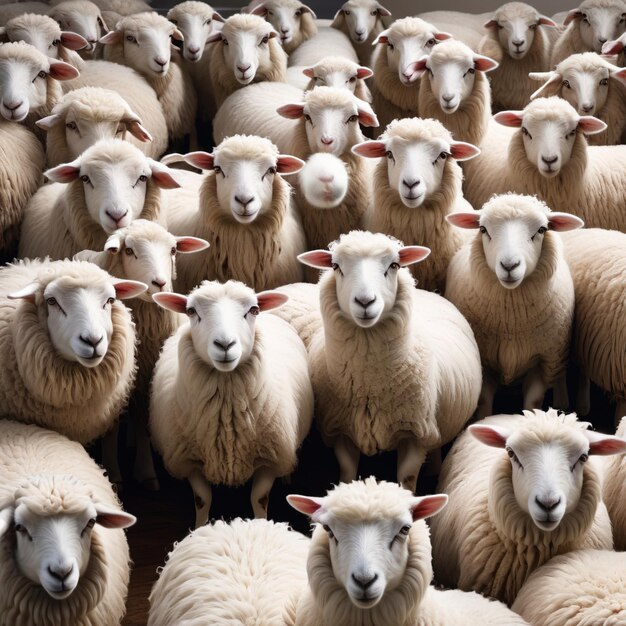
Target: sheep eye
(389,154)
(483,230)
(41,74)
(572,133)
(525,132)
(271,170)
(217,169)
(334,266)
(22,530)
(254,310)
(307,117)
(374,13)
(224,41)
(394,266)
(71,125)
(542,229)
(443,155)
(91,523)
(131,39)
(471,70)
(390,46)
(330,532)
(500,26)
(583,458)
(207,22)
(298,13)
(353,79)
(265,40)
(352,118)
(51,301)
(110,300)
(143,178)
(346,12)
(604,82)
(565,83)
(404,531)
(585,18)
(175,22)
(173,251)
(56,42)
(431,42)
(533,26)
(191,311)
(129,251)
(513,456)
(120,129)
(85,178)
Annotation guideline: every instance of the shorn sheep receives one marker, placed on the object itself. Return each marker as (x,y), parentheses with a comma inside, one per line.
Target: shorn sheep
(244,572)
(245,211)
(104,189)
(614,492)
(518,40)
(513,285)
(64,557)
(370,563)
(231,396)
(392,367)
(520,493)
(417,183)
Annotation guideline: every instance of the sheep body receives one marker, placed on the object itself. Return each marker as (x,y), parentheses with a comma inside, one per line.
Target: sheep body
(327,41)
(613,495)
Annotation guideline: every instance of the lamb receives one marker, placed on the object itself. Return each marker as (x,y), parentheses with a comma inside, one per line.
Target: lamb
(142,41)
(513,285)
(243,573)
(86,115)
(82,17)
(231,396)
(245,212)
(589,26)
(517,40)
(394,92)
(512,510)
(370,563)
(613,492)
(104,189)
(144,251)
(392,367)
(417,170)
(593,86)
(65,557)
(362,21)
(578,588)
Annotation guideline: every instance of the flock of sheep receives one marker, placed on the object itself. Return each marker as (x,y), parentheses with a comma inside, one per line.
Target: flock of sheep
(254,306)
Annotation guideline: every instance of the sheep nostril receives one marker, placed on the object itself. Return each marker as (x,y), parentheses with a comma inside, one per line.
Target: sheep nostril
(365,301)
(549,160)
(243,69)
(158,283)
(119,218)
(411,183)
(193,50)
(224,344)
(365,582)
(548,504)
(60,573)
(509,267)
(92,341)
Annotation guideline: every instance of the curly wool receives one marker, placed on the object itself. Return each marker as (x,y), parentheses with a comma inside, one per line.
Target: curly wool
(483,540)
(40,386)
(49,474)
(229,574)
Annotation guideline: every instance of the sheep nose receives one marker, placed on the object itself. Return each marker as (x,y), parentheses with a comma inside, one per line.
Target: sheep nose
(60,573)
(158,282)
(365,301)
(224,344)
(447,97)
(13,105)
(549,160)
(160,61)
(243,69)
(548,504)
(411,183)
(360,33)
(602,40)
(587,107)
(91,340)
(327,140)
(327,178)
(284,30)
(244,201)
(193,50)
(518,42)
(364,581)
(510,266)
(119,218)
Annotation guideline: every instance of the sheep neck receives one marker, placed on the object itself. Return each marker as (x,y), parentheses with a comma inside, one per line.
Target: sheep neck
(388,84)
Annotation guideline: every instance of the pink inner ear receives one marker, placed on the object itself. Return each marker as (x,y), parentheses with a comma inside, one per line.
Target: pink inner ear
(308,71)
(60,70)
(380,39)
(484,64)
(201,160)
(217,17)
(561,222)
(509,118)
(63,173)
(319,259)
(191,244)
(612,47)
(490,24)
(110,519)
(620,75)
(546,21)
(462,151)
(489,435)
(367,118)
(304,504)
(112,37)
(464,220)
(164,179)
(383,12)
(171,301)
(214,38)
(364,72)
(268,300)
(125,289)
(428,506)
(605,444)
(413,254)
(291,111)
(73,41)
(138,131)
(48,122)
(259,10)
(574,14)
(288,164)
(591,125)
(441,36)
(370,149)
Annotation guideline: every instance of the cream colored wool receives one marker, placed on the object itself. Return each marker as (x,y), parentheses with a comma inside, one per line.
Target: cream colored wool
(50,474)
(332,64)
(308,25)
(425,225)
(302,310)
(230,574)
(123,7)
(327,41)
(57,223)
(41,387)
(582,588)
(483,540)
(614,492)
(230,424)
(516,329)
(65,12)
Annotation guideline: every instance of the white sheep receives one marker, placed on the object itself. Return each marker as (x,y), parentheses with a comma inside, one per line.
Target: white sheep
(144,251)
(593,86)
(324,180)
(392,367)
(82,17)
(362,21)
(195,21)
(580,588)
(65,557)
(417,183)
(616,49)
(520,493)
(394,91)
(518,42)
(142,41)
(370,563)
(244,572)
(466,27)
(86,115)
(231,396)
(513,285)
(104,189)
(589,26)
(327,41)
(614,492)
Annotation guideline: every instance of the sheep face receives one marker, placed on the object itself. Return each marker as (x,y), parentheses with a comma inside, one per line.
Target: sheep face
(83,18)
(284,15)
(195,28)
(337,73)
(361,17)
(598,24)
(324,180)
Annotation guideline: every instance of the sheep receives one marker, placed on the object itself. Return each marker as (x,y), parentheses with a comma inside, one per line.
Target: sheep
(324,180)
(142,41)
(84,116)
(616,49)
(104,189)
(589,26)
(516,40)
(82,17)
(417,170)
(370,563)
(194,20)
(65,557)
(593,86)
(455,90)
(511,510)
(245,212)
(244,572)
(328,41)
(548,157)
(144,251)
(392,367)
(394,93)
(518,265)
(362,21)
(613,492)
(123,8)
(466,27)
(231,396)
(580,588)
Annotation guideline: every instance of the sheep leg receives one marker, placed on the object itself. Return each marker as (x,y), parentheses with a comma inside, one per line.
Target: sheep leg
(203,496)
(560,397)
(411,456)
(533,389)
(620,411)
(583,394)
(143,471)
(109,457)
(261,486)
(348,458)
(487,394)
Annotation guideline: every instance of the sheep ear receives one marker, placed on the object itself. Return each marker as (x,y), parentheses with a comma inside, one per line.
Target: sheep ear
(137,130)
(418,67)
(363,72)
(259,9)
(319,259)
(6,517)
(293,111)
(509,118)
(73,41)
(492,23)
(413,254)
(103,26)
(309,72)
(112,37)
(113,244)
(574,14)
(494,436)
(65,173)
(464,220)
(546,21)
(46,123)
(484,64)
(441,36)
(217,17)
(268,300)
(287,164)
(382,11)
(307,505)
(612,47)
(367,117)
(60,70)
(125,289)
(171,301)
(604,444)
(162,175)
(111,518)
(306,9)
(213,38)
(427,506)
(590,125)
(619,74)
(370,149)
(176,34)
(561,222)
(382,37)
(551,86)
(462,151)
(27,293)
(191,244)
(201,160)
